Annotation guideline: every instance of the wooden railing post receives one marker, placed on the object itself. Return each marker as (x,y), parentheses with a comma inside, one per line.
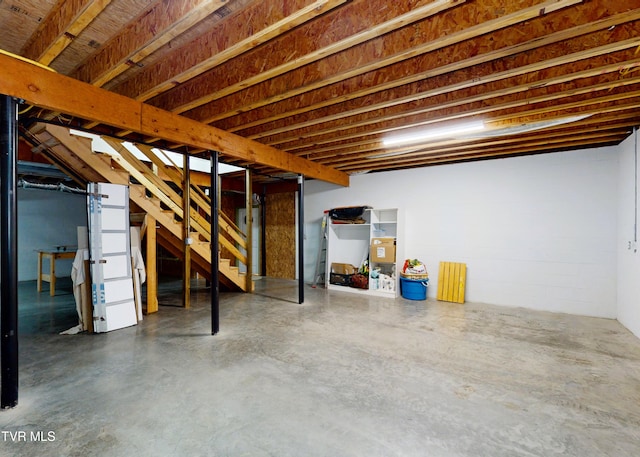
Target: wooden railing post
(152,266)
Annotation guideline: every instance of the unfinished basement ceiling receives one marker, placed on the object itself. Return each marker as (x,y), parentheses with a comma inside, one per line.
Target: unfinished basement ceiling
(329,80)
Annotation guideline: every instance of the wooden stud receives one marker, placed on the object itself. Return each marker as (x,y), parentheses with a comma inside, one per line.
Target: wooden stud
(151,264)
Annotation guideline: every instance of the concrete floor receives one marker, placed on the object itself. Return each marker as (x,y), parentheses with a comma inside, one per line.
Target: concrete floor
(341,375)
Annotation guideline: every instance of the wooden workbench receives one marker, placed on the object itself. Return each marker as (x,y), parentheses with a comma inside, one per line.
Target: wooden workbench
(50,277)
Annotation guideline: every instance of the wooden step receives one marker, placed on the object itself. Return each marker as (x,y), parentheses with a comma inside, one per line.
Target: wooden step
(75,153)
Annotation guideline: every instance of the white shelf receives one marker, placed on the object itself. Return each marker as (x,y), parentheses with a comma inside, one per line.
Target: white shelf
(355,290)
(350,243)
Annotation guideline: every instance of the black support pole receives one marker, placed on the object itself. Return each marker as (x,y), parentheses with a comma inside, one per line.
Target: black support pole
(215,283)
(9,250)
(300,239)
(186,232)
(263,233)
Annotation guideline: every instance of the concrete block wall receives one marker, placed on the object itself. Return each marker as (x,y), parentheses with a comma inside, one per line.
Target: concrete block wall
(47,219)
(628,246)
(537,231)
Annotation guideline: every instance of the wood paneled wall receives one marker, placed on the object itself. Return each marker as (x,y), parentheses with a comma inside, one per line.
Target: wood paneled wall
(281,235)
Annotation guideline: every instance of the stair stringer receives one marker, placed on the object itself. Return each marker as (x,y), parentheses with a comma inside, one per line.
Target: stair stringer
(63,144)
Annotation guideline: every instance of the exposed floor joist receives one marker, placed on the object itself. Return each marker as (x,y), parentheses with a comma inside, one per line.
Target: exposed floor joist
(328,80)
(49,90)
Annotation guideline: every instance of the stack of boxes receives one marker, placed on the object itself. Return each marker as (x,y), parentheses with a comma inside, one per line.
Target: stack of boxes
(382,257)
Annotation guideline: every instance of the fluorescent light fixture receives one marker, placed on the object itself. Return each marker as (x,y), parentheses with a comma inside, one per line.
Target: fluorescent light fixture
(450,131)
(485,132)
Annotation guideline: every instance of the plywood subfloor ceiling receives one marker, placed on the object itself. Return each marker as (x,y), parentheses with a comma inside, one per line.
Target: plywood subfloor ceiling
(328,80)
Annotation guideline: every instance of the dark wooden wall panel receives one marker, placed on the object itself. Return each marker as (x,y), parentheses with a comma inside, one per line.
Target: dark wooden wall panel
(281,235)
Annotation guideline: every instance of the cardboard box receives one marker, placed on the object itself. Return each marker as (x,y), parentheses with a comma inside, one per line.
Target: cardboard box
(383,250)
(341,273)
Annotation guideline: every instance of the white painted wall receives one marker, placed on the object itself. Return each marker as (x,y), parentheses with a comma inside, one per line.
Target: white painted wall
(628,253)
(537,231)
(47,219)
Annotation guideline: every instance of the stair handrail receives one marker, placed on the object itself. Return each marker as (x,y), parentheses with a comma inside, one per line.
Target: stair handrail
(175,174)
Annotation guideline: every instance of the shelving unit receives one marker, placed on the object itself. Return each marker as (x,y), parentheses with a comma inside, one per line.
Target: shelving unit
(351,244)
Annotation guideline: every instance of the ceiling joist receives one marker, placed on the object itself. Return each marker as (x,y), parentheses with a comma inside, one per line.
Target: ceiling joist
(53,91)
(313,86)
(65,22)
(352,63)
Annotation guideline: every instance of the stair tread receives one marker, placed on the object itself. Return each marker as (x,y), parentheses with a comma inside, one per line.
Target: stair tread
(114,169)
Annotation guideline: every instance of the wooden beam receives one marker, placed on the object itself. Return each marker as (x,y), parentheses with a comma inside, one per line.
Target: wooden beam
(467,146)
(242,32)
(155,27)
(478,81)
(604,138)
(63,24)
(373,143)
(290,53)
(406,119)
(69,163)
(611,124)
(283,106)
(542,144)
(355,62)
(53,91)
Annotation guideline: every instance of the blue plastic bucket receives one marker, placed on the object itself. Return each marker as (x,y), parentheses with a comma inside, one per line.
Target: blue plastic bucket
(414,289)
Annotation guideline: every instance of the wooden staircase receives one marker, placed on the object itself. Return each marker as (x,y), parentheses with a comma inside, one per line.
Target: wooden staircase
(154,195)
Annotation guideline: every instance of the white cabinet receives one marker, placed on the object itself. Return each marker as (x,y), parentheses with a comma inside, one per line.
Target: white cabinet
(352,244)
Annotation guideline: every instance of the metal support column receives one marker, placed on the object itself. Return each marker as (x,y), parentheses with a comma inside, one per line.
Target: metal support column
(9,251)
(186,225)
(263,232)
(300,239)
(215,283)
(249,225)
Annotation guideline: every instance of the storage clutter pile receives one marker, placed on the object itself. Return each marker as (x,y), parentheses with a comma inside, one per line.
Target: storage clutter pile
(381,280)
(344,274)
(414,280)
(415,269)
(377,270)
(348,214)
